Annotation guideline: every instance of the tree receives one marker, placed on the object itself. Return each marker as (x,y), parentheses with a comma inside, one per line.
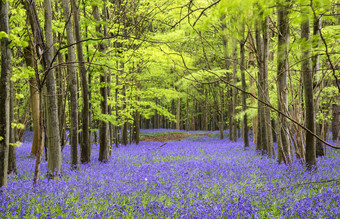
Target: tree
(85,145)
(243,95)
(104,127)
(45,53)
(284,144)
(72,71)
(4,93)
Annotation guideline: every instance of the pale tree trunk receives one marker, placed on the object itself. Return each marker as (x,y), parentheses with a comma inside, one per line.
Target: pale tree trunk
(4,94)
(306,69)
(54,149)
(85,146)
(243,95)
(72,71)
(284,145)
(104,127)
(233,128)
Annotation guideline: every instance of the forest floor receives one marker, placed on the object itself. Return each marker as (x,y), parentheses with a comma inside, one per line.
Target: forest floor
(174,136)
(199,176)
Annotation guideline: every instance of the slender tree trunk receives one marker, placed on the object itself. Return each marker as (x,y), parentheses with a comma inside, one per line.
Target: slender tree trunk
(72,71)
(4,93)
(12,161)
(316,74)
(267,119)
(61,98)
(306,69)
(244,96)
(284,144)
(178,113)
(35,102)
(125,125)
(104,127)
(85,146)
(54,150)
(234,93)
(116,110)
(262,142)
(221,108)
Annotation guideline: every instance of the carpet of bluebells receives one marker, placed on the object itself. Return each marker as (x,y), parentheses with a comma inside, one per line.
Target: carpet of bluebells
(199,177)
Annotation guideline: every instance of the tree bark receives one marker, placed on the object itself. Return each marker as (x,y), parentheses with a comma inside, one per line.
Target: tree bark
(233,127)
(104,127)
(316,71)
(178,113)
(306,69)
(35,102)
(261,121)
(72,71)
(284,144)
(125,125)
(54,150)
(12,161)
(85,146)
(267,125)
(245,136)
(4,93)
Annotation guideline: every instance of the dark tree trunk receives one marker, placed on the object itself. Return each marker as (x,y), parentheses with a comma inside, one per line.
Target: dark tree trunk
(245,136)
(4,94)
(104,127)
(262,143)
(234,95)
(316,71)
(125,124)
(306,69)
(12,161)
(336,121)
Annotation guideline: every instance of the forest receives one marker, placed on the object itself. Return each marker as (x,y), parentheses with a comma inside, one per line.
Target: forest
(170,109)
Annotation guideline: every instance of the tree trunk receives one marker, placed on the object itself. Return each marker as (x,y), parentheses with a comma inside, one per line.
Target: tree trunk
(267,125)
(234,93)
(72,71)
(4,94)
(12,161)
(104,127)
(221,108)
(85,146)
(262,142)
(244,96)
(316,72)
(125,125)
(284,145)
(35,102)
(306,69)
(54,150)
(178,113)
